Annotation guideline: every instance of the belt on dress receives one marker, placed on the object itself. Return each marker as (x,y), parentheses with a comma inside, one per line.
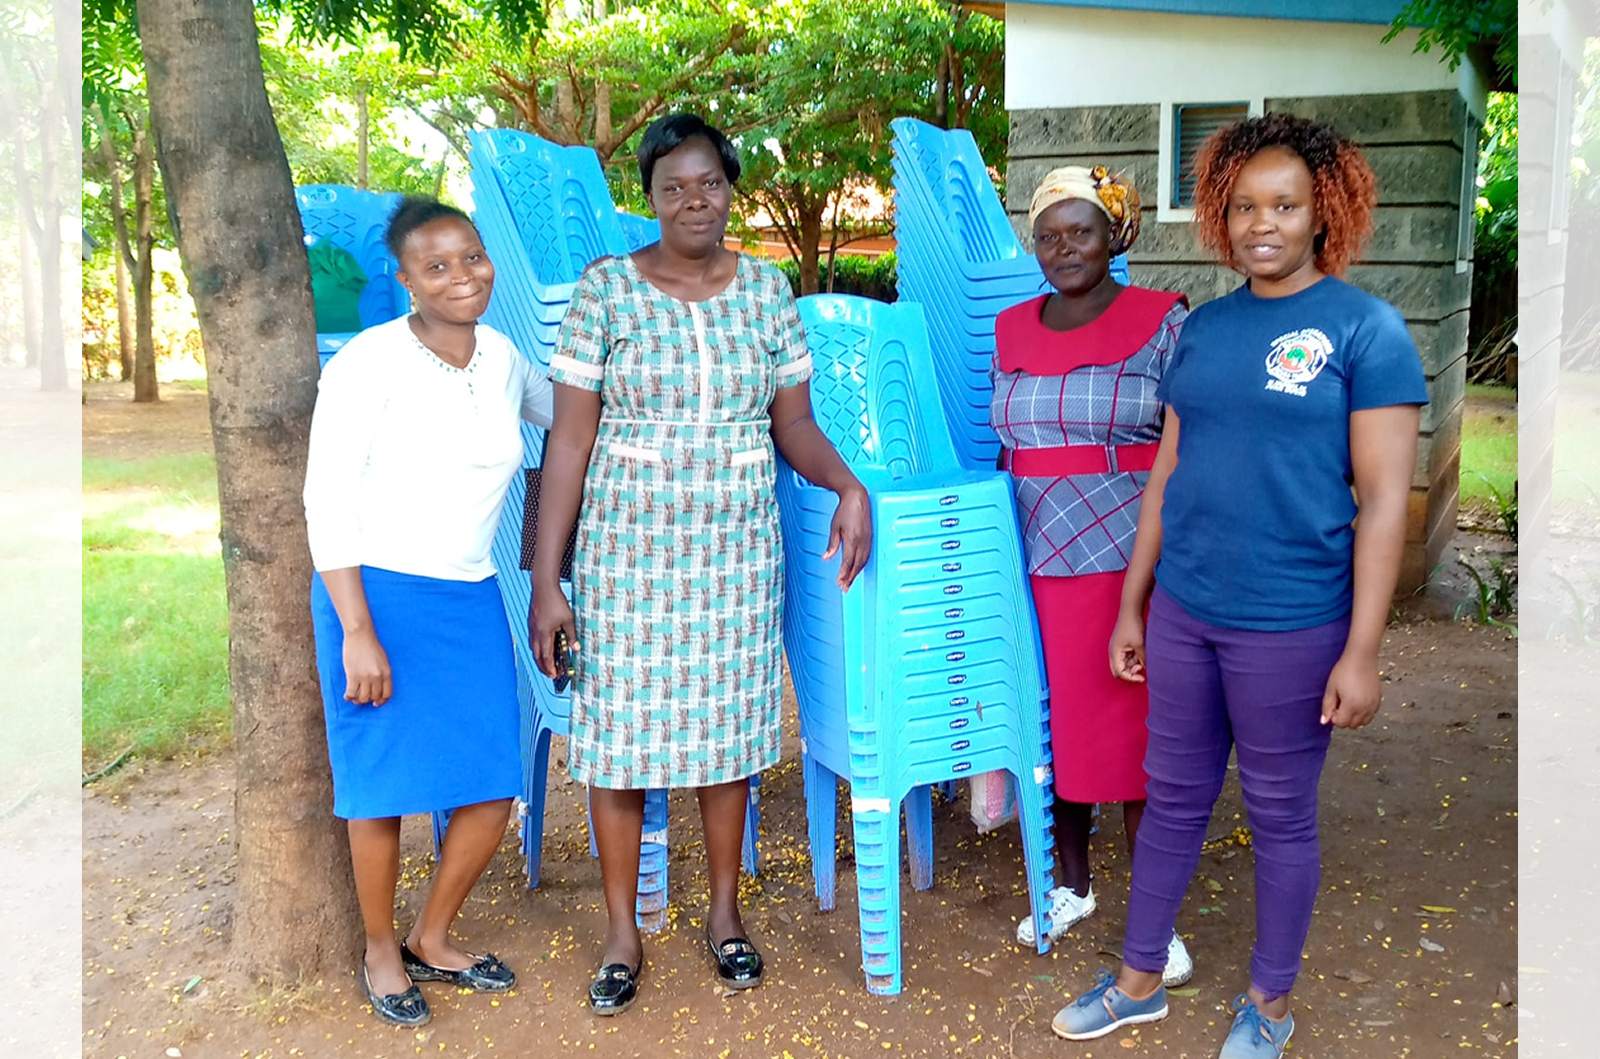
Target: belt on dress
(1064,460)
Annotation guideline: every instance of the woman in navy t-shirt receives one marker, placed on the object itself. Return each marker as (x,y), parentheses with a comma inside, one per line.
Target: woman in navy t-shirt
(1269,597)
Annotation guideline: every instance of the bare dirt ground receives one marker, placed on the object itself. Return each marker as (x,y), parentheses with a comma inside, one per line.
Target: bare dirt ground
(1412,952)
(114,428)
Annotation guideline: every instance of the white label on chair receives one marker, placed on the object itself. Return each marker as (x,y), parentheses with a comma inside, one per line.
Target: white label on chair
(654,838)
(803,748)
(1041,774)
(869,805)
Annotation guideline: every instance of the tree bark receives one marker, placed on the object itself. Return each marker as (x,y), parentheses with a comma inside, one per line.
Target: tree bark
(225,173)
(145,387)
(125,339)
(28,261)
(134,254)
(566,110)
(810,215)
(52,343)
(941,89)
(363,134)
(602,89)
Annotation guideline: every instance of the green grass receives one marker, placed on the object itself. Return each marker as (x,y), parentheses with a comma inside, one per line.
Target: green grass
(155,618)
(1489,444)
(192,474)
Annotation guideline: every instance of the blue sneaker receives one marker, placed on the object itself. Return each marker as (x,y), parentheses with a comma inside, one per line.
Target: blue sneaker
(1105,1009)
(1254,1036)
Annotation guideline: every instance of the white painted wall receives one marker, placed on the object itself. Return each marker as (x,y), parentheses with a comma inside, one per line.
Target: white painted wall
(1087,57)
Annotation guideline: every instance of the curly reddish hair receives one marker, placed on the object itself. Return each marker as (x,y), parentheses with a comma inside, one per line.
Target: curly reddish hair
(1343,188)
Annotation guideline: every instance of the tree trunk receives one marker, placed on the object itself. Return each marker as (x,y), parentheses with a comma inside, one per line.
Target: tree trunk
(810,215)
(145,387)
(52,341)
(225,173)
(28,261)
(602,90)
(566,102)
(362,135)
(125,339)
(135,323)
(941,90)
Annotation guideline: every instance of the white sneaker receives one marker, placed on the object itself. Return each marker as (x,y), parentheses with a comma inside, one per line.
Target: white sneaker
(1066,908)
(1180,967)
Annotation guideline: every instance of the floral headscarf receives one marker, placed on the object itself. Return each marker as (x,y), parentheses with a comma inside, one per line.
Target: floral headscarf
(1115,195)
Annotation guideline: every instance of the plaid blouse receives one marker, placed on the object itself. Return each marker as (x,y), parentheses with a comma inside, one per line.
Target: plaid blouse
(1093,385)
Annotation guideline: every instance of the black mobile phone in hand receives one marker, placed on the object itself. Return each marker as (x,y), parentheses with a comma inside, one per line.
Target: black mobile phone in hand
(566,669)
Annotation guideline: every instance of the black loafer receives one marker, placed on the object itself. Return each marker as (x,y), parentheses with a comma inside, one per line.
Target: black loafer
(738,962)
(615,987)
(403,1009)
(488,975)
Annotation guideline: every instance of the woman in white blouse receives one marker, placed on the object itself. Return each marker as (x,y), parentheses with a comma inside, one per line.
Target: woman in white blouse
(414,442)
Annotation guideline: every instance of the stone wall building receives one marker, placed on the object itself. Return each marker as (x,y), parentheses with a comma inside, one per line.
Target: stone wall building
(1135,86)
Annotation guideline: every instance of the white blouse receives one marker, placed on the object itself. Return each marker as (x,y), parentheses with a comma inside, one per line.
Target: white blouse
(411,458)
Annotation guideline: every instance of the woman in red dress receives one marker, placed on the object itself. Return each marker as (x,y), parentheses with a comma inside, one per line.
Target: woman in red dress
(1075,377)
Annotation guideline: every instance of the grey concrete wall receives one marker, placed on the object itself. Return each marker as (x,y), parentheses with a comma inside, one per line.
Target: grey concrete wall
(1414,142)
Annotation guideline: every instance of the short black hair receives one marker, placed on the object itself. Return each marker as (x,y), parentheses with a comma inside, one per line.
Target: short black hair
(413,212)
(667,134)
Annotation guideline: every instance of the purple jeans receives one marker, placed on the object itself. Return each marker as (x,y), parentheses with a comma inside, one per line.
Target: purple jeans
(1213,690)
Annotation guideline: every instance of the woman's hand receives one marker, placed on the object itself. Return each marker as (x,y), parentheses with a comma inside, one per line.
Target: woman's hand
(852,531)
(549,611)
(1127,649)
(366,669)
(1354,693)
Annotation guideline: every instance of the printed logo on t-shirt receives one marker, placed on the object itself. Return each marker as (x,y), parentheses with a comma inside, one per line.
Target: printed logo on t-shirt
(1297,358)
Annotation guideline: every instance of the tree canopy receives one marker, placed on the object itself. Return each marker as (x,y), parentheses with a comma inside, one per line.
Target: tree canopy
(1485,30)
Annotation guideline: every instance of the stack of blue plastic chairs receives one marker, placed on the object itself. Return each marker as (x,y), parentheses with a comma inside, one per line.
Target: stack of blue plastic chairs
(545,213)
(959,258)
(355,221)
(929,668)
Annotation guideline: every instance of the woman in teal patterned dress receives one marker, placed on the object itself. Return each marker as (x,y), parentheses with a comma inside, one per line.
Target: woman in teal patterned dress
(678,370)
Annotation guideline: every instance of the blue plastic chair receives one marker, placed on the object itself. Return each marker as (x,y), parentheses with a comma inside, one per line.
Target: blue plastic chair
(355,221)
(960,258)
(639,231)
(545,213)
(929,669)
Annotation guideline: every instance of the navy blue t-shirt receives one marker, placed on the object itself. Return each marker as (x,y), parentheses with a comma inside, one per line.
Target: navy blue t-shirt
(1256,518)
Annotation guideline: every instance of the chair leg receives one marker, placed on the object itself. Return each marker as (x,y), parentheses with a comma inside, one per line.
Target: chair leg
(751,851)
(919,836)
(441,824)
(877,835)
(533,797)
(650,907)
(1039,851)
(822,808)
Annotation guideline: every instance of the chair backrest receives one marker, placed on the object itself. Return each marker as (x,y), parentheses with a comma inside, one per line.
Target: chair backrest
(356,220)
(639,231)
(942,180)
(944,166)
(557,198)
(873,388)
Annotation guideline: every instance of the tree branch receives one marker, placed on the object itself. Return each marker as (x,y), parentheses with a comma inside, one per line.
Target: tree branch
(647,109)
(455,145)
(119,217)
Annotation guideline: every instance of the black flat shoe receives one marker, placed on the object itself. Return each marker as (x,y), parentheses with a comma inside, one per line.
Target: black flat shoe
(738,962)
(615,987)
(488,975)
(402,1009)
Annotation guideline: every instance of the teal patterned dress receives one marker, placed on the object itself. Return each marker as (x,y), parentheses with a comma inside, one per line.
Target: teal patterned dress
(678,575)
